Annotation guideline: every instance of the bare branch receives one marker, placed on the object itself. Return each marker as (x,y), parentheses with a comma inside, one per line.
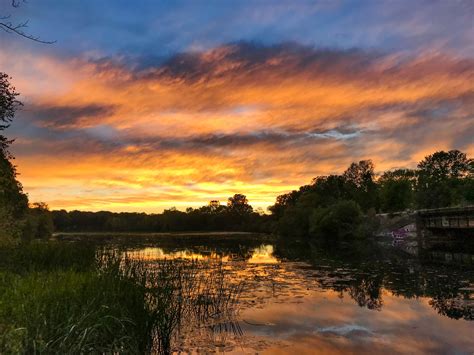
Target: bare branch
(10,27)
(17,29)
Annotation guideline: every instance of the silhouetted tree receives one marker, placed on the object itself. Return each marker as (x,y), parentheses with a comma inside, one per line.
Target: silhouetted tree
(331,189)
(397,190)
(13,202)
(294,222)
(361,184)
(8,106)
(39,224)
(441,178)
(443,165)
(239,204)
(286,200)
(339,220)
(214,205)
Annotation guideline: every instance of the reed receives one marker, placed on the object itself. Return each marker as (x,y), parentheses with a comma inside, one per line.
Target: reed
(71,298)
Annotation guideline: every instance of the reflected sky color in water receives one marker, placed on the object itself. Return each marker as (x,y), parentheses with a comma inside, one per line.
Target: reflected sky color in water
(261,255)
(294,303)
(152,253)
(330,322)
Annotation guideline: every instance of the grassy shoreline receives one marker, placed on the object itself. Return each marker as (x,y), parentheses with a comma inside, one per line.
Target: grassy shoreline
(162,234)
(58,297)
(131,237)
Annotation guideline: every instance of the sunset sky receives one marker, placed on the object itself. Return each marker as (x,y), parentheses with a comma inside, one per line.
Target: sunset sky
(145,105)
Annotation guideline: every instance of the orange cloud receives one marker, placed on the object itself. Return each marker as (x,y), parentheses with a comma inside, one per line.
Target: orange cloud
(239,118)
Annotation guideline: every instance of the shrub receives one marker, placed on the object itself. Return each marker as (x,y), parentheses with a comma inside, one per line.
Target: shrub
(339,220)
(294,222)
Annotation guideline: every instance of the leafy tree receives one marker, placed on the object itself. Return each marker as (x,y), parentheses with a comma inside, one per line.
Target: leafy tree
(360,174)
(239,204)
(294,222)
(13,202)
(286,200)
(8,106)
(214,205)
(360,180)
(40,222)
(337,221)
(444,165)
(397,189)
(330,189)
(441,178)
(467,190)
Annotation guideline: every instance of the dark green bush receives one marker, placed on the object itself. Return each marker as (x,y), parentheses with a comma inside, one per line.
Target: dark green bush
(340,220)
(294,222)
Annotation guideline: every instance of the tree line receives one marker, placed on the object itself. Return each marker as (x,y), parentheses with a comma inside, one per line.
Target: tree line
(334,205)
(342,205)
(237,215)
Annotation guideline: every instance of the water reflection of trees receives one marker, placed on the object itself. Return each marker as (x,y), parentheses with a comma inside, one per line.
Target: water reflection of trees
(364,271)
(361,271)
(367,293)
(454,306)
(230,248)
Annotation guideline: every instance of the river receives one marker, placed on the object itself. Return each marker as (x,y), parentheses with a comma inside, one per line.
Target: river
(300,298)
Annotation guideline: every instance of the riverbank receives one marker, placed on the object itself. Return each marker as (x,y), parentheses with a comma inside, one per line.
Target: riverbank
(168,237)
(59,297)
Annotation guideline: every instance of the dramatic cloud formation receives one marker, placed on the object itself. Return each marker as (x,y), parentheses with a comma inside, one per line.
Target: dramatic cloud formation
(149,132)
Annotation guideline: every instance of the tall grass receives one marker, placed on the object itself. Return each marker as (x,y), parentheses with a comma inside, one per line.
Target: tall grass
(70,298)
(181,295)
(47,256)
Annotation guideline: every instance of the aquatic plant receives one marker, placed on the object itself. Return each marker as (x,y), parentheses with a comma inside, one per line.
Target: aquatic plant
(72,298)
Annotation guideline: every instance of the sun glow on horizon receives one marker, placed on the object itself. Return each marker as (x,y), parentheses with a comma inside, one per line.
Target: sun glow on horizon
(110,126)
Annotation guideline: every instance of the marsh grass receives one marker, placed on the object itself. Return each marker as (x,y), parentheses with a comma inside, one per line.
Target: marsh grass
(47,256)
(72,298)
(183,295)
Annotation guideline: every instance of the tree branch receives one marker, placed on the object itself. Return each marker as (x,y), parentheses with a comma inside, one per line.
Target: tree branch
(10,27)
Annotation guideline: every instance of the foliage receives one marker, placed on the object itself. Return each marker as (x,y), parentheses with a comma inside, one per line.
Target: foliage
(286,200)
(239,204)
(360,182)
(238,216)
(13,202)
(339,220)
(294,222)
(441,179)
(330,189)
(397,190)
(8,106)
(39,222)
(442,165)
(70,312)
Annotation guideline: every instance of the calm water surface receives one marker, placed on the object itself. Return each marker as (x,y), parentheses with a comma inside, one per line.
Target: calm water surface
(301,299)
